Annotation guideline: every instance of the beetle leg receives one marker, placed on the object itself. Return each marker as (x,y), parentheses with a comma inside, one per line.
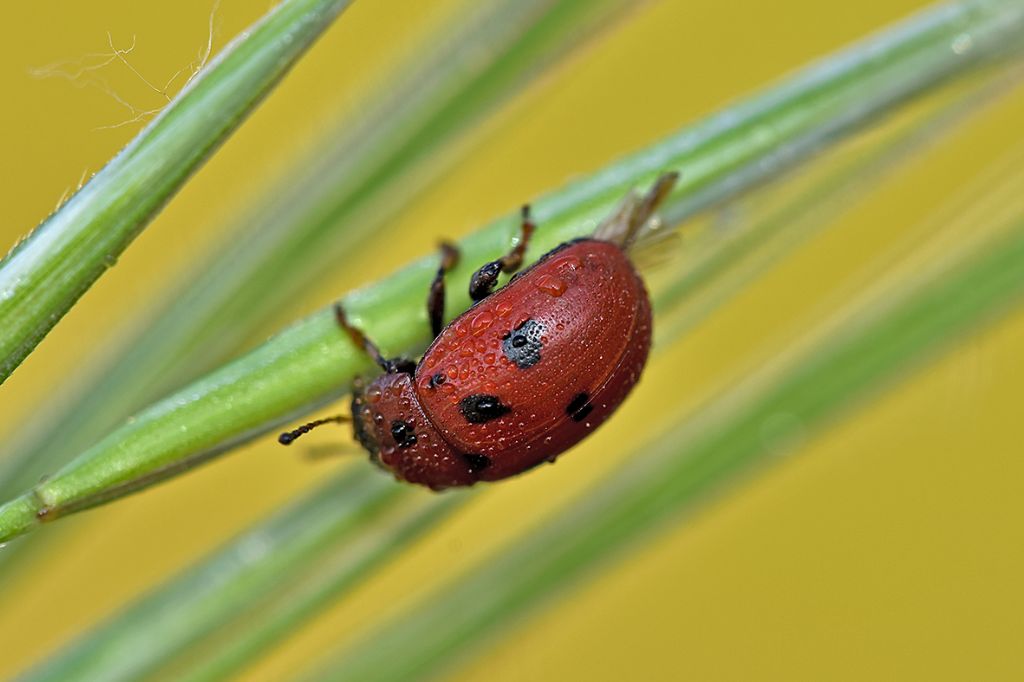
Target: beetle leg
(512,261)
(634,212)
(435,299)
(361,341)
(485,279)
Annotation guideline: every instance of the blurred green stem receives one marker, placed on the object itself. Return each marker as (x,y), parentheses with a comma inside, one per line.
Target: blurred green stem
(730,257)
(43,276)
(243,580)
(311,363)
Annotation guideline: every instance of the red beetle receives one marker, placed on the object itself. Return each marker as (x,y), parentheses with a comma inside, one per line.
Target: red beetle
(524,374)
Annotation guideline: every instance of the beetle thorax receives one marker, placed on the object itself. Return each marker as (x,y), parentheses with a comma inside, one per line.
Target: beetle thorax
(390,423)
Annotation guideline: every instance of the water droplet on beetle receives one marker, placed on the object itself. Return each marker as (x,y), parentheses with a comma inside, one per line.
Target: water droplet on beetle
(567,263)
(481,322)
(552,285)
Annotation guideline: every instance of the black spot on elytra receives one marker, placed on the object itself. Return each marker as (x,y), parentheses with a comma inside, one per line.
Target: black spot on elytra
(480,407)
(522,345)
(403,434)
(437,379)
(476,463)
(579,407)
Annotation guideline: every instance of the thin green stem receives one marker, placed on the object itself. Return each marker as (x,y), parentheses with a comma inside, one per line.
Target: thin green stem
(43,276)
(734,255)
(235,582)
(248,641)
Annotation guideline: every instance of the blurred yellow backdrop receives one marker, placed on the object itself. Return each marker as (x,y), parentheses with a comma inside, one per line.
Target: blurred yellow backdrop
(888,547)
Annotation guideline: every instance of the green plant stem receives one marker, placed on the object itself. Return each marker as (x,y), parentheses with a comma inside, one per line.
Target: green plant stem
(311,363)
(43,276)
(735,256)
(359,178)
(239,583)
(767,416)
(249,642)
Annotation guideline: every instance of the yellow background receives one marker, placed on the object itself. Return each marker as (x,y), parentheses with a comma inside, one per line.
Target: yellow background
(889,547)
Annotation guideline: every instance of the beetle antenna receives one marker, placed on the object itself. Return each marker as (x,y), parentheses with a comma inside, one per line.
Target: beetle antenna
(624,225)
(288,437)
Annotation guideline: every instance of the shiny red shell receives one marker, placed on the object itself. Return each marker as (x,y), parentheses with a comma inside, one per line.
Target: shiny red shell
(518,378)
